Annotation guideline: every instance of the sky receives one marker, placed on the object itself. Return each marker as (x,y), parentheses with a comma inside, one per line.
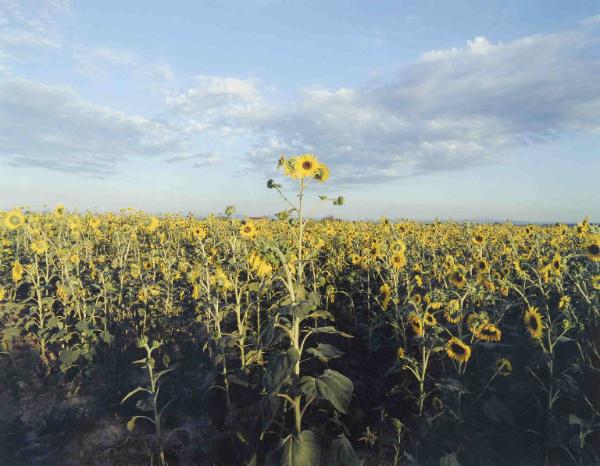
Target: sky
(466,110)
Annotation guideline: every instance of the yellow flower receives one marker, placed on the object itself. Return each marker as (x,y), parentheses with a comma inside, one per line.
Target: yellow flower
(416,323)
(259,266)
(248,230)
(596,282)
(59,211)
(488,332)
(135,270)
(14,219)
(39,246)
(564,302)
(458,278)
(17,271)
(429,319)
(152,224)
(2,293)
(398,260)
(458,350)
(322,174)
(504,367)
(592,248)
(400,353)
(306,166)
(533,322)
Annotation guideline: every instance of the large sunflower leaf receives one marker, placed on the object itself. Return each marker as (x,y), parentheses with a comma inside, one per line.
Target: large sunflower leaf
(331,386)
(301,450)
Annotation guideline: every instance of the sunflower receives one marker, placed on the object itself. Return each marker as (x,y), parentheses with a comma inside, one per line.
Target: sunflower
(248,230)
(135,270)
(478,239)
(482,266)
(429,319)
(400,353)
(457,278)
(596,282)
(385,290)
(306,166)
(39,246)
(2,293)
(458,350)
(533,322)
(322,174)
(564,302)
(14,219)
(416,323)
(453,314)
(592,248)
(488,332)
(398,260)
(59,211)
(504,367)
(17,271)
(556,264)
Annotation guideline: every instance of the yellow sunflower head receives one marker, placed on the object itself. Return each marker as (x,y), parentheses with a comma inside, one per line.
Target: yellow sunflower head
(488,332)
(322,174)
(458,350)
(306,166)
(248,229)
(533,322)
(592,248)
(14,219)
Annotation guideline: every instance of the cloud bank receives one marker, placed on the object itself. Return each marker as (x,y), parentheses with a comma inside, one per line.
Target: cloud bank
(447,110)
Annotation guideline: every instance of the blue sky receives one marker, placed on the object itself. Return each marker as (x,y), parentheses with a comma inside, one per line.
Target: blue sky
(422,109)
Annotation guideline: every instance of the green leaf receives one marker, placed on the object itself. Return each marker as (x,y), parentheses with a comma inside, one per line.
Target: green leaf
(277,372)
(331,386)
(342,453)
(68,356)
(449,460)
(325,352)
(301,450)
(331,330)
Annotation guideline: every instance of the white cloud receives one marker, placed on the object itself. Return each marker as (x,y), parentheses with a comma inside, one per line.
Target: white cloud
(96,62)
(450,109)
(31,23)
(54,127)
(220,105)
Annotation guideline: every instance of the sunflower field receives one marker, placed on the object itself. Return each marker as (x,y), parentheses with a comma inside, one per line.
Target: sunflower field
(137,339)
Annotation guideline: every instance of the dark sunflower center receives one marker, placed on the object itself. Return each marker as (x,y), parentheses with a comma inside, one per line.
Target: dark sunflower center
(488,331)
(594,249)
(307,165)
(533,323)
(457,349)
(482,265)
(556,264)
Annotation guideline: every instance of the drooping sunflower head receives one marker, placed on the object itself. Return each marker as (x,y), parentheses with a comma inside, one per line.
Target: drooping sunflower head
(322,174)
(14,219)
(457,350)
(488,332)
(453,314)
(533,322)
(457,278)
(429,319)
(416,323)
